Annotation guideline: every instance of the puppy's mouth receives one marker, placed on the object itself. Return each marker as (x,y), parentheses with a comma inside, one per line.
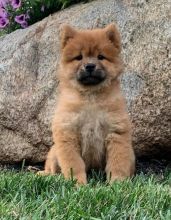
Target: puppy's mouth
(91,78)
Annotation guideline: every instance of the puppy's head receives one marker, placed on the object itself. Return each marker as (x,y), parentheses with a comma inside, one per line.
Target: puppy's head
(90,58)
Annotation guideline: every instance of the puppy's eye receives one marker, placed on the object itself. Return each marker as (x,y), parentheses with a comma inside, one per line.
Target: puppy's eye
(100,57)
(80,57)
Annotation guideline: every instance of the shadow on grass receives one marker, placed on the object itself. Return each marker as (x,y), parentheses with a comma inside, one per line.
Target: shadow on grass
(143,166)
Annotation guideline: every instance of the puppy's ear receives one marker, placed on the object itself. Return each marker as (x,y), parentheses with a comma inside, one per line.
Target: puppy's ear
(66,33)
(113,35)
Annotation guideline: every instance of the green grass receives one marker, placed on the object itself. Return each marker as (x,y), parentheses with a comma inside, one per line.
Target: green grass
(27,196)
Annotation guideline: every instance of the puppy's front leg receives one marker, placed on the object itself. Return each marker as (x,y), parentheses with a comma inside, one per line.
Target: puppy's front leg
(120,159)
(69,157)
(51,164)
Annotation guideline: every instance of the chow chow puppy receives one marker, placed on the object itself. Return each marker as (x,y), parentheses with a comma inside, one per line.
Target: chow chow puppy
(91,127)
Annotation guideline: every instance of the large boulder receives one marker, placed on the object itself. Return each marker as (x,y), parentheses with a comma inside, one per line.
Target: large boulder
(29,79)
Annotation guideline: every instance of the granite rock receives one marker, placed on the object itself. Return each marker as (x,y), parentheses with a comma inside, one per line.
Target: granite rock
(29,80)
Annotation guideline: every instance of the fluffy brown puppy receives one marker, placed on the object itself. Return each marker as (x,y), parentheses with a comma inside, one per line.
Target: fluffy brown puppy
(91,127)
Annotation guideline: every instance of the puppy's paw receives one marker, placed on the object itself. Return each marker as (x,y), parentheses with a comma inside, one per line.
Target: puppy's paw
(81,179)
(43,173)
(117,176)
(114,178)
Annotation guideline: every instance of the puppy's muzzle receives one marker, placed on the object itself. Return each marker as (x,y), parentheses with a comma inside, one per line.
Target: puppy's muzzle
(90,75)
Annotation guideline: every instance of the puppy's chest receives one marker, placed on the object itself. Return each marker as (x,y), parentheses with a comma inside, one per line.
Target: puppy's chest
(93,126)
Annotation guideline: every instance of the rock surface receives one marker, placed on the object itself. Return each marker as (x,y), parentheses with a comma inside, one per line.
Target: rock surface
(28,76)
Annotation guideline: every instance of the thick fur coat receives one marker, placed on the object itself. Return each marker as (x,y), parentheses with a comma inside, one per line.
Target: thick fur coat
(91,127)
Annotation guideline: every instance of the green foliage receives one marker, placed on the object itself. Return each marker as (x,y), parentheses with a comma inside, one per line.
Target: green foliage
(51,6)
(33,11)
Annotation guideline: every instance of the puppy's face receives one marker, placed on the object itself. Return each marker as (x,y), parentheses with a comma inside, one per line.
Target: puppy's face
(90,58)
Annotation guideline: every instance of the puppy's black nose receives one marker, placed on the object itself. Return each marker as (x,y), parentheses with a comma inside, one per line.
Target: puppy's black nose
(90,67)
